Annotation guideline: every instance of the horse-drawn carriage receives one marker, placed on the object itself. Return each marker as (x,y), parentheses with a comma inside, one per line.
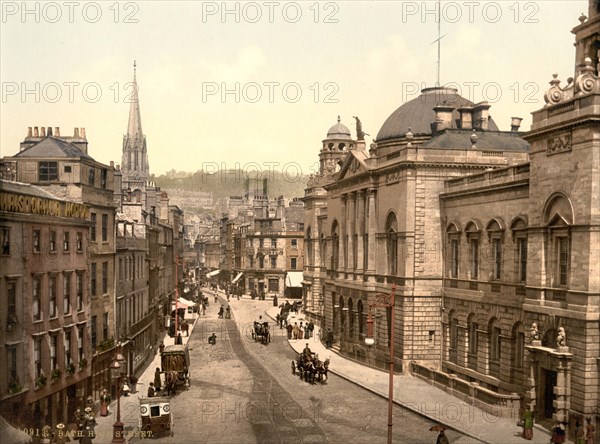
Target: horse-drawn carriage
(261,332)
(155,416)
(310,368)
(175,362)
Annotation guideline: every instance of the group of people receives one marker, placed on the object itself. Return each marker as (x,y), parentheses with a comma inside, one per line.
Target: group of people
(225,311)
(559,435)
(302,331)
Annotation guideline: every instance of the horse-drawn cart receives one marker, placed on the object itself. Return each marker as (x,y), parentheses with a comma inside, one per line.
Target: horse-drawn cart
(175,362)
(155,416)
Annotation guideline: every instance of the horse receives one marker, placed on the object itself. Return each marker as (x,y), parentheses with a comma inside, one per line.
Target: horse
(322,368)
(171,382)
(261,331)
(185,328)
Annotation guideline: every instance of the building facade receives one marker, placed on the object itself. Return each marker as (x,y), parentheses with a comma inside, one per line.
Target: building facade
(44,306)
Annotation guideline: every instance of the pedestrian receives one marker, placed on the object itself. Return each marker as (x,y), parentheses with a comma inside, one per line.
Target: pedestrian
(61,436)
(104,402)
(221,311)
(295,331)
(579,434)
(212,339)
(311,328)
(329,338)
(558,434)
(228,312)
(157,380)
(300,332)
(179,339)
(289,329)
(527,423)
(442,438)
(161,347)
(151,390)
(590,432)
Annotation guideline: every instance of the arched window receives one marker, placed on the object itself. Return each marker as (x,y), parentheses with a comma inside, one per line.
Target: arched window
(517,352)
(391,230)
(472,327)
(335,256)
(322,249)
(495,235)
(473,234)
(309,247)
(519,235)
(359,308)
(453,246)
(559,218)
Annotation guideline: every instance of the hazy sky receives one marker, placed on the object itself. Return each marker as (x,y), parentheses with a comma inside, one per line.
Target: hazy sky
(261,82)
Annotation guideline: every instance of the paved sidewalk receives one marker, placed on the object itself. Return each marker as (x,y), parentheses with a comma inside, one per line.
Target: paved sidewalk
(420,397)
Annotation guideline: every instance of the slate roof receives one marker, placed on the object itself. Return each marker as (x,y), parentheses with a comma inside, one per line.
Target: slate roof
(453,139)
(52,147)
(25,188)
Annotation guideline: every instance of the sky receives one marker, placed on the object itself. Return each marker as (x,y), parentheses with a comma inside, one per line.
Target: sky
(256,85)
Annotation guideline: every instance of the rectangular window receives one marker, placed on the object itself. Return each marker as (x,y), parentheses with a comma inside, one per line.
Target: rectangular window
(273,262)
(53,352)
(473,338)
(474,244)
(454,258)
(52,296)
(105,326)
(92,176)
(79,290)
(48,171)
(67,168)
(5,233)
(93,272)
(261,262)
(495,343)
(67,347)
(80,355)
(66,241)
(37,241)
(103,178)
(454,333)
(79,241)
(497,251)
(365,249)
(104,227)
(36,297)
(522,259)
(11,361)
(104,277)
(273,243)
(11,299)
(93,227)
(52,241)
(67,294)
(294,243)
(37,356)
(274,285)
(563,261)
(293,263)
(93,332)
(261,242)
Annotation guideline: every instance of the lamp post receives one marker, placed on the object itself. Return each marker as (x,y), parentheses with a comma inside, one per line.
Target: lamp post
(117,369)
(385,301)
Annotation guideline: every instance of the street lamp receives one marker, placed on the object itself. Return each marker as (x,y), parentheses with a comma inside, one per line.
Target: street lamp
(385,301)
(117,369)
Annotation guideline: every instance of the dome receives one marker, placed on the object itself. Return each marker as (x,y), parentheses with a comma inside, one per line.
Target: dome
(339,131)
(418,114)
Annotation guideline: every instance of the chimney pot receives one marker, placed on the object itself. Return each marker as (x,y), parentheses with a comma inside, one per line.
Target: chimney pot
(76,133)
(466,117)
(515,123)
(29,132)
(36,132)
(481,115)
(443,117)
(43,131)
(49,131)
(57,131)
(82,131)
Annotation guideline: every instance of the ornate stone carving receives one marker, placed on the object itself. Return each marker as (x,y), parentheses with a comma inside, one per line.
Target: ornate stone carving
(534,333)
(586,82)
(561,338)
(559,144)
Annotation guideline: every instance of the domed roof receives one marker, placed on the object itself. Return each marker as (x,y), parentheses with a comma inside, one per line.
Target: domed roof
(339,131)
(418,114)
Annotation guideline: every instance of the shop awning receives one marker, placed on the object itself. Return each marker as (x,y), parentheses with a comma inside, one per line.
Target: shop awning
(213,273)
(293,279)
(237,278)
(184,303)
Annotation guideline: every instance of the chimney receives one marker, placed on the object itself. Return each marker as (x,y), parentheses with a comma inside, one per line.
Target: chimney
(28,132)
(443,117)
(57,131)
(43,131)
(82,133)
(481,115)
(466,117)
(76,133)
(515,123)
(35,132)
(49,131)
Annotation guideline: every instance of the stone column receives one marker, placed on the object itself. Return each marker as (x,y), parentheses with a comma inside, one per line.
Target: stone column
(351,224)
(360,218)
(372,224)
(343,220)
(316,245)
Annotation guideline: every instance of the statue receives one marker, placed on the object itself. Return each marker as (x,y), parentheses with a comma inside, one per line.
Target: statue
(534,334)
(561,338)
(360,135)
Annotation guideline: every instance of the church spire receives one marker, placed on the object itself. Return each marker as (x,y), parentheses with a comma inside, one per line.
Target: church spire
(135,122)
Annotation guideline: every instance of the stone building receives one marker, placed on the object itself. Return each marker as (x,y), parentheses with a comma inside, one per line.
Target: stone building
(62,166)
(483,233)
(44,306)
